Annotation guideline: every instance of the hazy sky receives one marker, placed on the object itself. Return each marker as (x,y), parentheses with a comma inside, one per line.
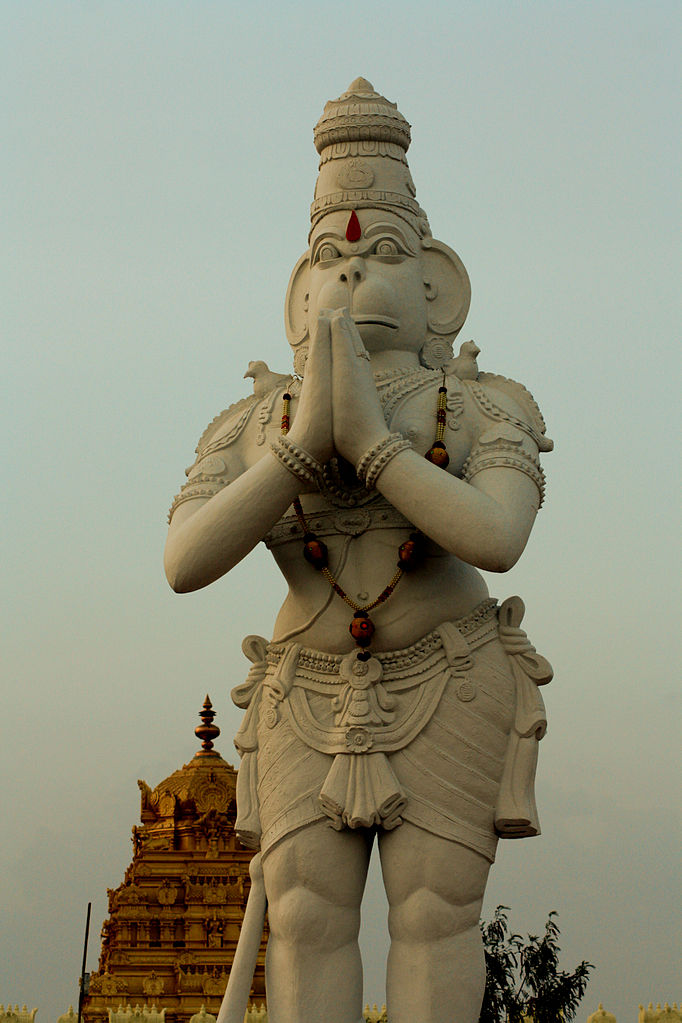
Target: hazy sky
(157,168)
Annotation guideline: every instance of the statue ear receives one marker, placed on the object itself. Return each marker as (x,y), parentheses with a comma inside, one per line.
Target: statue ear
(296,302)
(448,291)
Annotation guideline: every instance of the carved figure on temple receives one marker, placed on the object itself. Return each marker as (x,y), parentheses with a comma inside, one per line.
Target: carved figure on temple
(397,701)
(152,984)
(167,893)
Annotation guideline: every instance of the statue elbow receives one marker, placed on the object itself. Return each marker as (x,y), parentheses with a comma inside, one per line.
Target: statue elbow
(503,553)
(178,578)
(499,563)
(175,580)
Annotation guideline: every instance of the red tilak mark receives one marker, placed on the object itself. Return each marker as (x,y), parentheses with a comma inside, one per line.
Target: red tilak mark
(353,229)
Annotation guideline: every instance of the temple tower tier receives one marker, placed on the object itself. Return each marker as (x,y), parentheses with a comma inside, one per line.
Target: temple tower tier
(173,925)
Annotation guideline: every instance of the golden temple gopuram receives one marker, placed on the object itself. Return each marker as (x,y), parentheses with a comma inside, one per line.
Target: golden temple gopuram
(169,941)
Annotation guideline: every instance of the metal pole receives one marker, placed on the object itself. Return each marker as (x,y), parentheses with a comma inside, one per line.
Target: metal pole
(81,993)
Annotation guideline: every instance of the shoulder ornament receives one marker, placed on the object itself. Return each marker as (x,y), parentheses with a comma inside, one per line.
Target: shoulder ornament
(209,473)
(502,447)
(226,427)
(533,424)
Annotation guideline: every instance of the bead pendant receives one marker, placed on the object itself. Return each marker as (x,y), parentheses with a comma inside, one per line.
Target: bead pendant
(411,552)
(437,455)
(361,628)
(315,552)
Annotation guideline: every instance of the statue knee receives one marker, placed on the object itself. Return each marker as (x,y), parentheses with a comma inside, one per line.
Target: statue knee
(300,917)
(425,916)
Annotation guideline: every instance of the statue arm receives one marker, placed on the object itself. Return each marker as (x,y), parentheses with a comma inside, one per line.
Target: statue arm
(484,519)
(486,522)
(208,537)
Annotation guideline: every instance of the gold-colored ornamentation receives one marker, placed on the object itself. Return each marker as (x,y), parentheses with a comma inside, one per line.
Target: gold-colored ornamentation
(437,453)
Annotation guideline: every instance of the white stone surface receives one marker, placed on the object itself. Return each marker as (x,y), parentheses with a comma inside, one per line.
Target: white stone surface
(371,312)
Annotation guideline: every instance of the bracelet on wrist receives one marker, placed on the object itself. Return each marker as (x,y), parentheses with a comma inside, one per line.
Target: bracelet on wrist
(375,460)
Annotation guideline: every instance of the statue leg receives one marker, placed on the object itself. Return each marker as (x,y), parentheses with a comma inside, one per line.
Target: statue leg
(436,966)
(314,880)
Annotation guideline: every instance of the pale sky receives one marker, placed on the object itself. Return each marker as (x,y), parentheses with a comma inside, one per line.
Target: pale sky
(157,169)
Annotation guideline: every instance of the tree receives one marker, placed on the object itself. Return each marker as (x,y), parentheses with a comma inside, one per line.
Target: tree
(523,979)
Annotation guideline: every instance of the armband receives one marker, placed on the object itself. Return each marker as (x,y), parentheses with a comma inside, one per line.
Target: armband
(201,485)
(505,454)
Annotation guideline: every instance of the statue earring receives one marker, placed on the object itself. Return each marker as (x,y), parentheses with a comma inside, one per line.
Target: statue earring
(435,352)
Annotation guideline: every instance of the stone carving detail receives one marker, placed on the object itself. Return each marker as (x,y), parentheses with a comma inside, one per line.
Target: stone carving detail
(214,892)
(355,174)
(428,727)
(667,1014)
(139,1014)
(24,1014)
(152,984)
(67,1017)
(202,1016)
(375,1015)
(167,893)
(215,982)
(111,985)
(435,353)
(256,1014)
(181,897)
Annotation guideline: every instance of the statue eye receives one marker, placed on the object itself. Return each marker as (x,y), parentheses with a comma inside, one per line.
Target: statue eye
(327,251)
(387,247)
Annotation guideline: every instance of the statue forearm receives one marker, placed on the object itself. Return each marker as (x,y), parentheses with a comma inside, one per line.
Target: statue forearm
(487,525)
(205,543)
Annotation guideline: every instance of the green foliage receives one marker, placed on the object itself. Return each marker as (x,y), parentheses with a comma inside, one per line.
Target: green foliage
(523,979)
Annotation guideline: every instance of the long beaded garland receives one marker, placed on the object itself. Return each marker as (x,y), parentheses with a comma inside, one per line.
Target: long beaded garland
(410,553)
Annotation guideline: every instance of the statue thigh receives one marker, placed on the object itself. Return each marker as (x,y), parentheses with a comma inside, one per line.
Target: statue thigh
(434,886)
(314,881)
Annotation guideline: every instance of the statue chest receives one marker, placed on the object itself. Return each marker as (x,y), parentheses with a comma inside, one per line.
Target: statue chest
(414,416)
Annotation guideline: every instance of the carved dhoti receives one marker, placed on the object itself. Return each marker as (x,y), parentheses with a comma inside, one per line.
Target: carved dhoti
(442,734)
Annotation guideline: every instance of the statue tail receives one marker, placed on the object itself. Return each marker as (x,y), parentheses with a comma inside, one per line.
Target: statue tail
(235,1000)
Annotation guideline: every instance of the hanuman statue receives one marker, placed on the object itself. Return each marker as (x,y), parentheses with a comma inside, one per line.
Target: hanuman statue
(396,701)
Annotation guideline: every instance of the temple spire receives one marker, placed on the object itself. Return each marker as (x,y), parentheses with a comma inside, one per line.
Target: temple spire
(207,731)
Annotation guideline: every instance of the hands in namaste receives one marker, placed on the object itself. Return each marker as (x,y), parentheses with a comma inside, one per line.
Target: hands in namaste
(339,409)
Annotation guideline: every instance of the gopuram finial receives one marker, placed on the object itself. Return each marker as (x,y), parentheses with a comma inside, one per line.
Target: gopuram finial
(207,731)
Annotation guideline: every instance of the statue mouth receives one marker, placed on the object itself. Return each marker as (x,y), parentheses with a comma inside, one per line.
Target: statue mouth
(379,321)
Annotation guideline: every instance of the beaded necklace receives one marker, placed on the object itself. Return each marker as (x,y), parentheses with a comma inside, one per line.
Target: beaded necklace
(410,552)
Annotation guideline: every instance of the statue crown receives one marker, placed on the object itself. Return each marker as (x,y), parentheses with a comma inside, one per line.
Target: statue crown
(361,115)
(362,139)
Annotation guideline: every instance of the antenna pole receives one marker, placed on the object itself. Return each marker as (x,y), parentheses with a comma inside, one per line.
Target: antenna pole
(81,993)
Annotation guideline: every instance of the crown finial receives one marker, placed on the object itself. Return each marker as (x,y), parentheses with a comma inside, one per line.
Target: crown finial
(207,731)
(360,85)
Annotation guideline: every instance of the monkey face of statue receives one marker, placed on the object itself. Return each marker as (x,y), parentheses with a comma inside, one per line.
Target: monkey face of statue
(374,268)
(400,289)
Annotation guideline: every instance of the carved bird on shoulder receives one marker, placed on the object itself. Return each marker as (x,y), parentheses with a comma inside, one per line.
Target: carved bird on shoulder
(264,379)
(464,365)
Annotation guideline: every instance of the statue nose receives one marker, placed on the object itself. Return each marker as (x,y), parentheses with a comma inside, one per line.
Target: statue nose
(353,271)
